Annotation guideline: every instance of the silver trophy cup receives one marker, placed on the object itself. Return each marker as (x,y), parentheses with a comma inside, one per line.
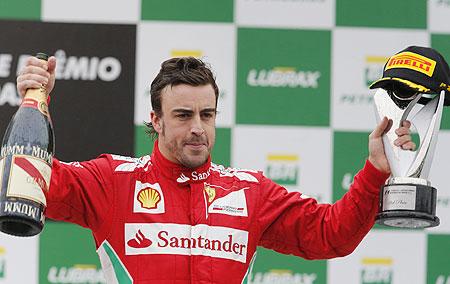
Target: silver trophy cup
(408,200)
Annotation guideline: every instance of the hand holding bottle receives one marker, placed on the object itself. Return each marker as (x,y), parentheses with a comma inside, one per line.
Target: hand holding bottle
(35,74)
(26,153)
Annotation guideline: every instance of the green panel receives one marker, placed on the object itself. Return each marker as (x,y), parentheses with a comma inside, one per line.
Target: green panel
(188,10)
(222,150)
(20,9)
(143,144)
(283,84)
(349,154)
(410,14)
(441,42)
(67,255)
(438,268)
(272,267)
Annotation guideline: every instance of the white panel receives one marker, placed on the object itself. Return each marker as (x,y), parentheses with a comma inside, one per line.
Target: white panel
(18,259)
(439,178)
(281,13)
(358,58)
(438,15)
(282,151)
(394,257)
(87,11)
(214,43)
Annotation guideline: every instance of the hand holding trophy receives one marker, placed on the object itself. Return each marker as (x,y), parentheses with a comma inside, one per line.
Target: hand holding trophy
(415,86)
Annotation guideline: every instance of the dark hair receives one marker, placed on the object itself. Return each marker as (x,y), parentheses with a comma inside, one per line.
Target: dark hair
(176,71)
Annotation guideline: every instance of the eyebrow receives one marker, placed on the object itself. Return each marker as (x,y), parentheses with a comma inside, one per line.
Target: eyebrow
(185,110)
(209,110)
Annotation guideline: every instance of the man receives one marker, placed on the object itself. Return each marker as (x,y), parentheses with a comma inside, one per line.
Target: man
(175,217)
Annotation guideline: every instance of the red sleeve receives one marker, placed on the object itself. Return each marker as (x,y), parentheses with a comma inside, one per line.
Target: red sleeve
(300,226)
(81,192)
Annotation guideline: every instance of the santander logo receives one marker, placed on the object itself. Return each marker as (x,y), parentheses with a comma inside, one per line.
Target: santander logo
(185,239)
(139,241)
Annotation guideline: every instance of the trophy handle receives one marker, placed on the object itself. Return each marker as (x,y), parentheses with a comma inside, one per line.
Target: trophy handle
(406,163)
(427,121)
(399,159)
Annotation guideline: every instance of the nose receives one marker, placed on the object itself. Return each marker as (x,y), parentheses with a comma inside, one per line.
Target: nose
(197,127)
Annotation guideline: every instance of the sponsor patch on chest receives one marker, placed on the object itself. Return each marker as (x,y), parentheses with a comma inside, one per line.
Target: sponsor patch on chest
(148,198)
(233,204)
(180,239)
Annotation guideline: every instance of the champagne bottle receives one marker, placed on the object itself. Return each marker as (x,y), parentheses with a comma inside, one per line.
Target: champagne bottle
(25,165)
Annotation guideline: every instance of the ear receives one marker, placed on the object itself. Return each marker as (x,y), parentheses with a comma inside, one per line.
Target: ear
(156,122)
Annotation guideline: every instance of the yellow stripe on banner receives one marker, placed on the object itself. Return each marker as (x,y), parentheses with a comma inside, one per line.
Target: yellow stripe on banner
(376,59)
(284,69)
(186,53)
(291,158)
(85,266)
(280,271)
(377,261)
(2,250)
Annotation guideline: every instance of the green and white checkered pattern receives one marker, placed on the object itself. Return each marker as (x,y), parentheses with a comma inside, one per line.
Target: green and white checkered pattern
(294,102)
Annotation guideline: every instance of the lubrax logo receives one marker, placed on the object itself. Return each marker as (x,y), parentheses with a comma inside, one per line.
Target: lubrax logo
(443,279)
(412,61)
(283,77)
(78,273)
(282,276)
(161,238)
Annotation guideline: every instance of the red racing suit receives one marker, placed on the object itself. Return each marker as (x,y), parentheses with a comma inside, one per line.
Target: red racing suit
(154,221)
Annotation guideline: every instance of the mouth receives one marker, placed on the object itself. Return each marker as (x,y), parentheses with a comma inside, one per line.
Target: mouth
(196,146)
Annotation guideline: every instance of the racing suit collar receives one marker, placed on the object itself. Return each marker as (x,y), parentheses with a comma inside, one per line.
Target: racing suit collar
(177,172)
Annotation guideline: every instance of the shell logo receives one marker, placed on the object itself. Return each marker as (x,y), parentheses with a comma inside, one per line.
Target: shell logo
(149,198)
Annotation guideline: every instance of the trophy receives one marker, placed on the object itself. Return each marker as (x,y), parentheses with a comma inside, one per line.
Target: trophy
(415,86)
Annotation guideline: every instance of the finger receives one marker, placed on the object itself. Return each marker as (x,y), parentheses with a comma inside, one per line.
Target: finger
(402,140)
(389,126)
(51,64)
(35,70)
(409,146)
(406,123)
(23,86)
(41,80)
(30,84)
(402,131)
(382,127)
(33,61)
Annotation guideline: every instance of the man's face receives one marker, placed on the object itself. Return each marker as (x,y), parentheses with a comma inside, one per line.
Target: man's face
(186,128)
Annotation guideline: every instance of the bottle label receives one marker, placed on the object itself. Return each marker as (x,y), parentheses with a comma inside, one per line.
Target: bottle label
(2,165)
(39,105)
(29,178)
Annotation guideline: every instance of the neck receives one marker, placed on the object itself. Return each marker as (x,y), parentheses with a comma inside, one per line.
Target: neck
(166,152)
(176,171)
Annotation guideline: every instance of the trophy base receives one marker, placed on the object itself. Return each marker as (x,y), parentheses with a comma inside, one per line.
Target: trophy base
(407,219)
(408,205)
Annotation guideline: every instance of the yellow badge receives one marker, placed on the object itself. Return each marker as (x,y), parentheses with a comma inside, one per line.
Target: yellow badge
(211,193)
(149,198)
(413,61)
